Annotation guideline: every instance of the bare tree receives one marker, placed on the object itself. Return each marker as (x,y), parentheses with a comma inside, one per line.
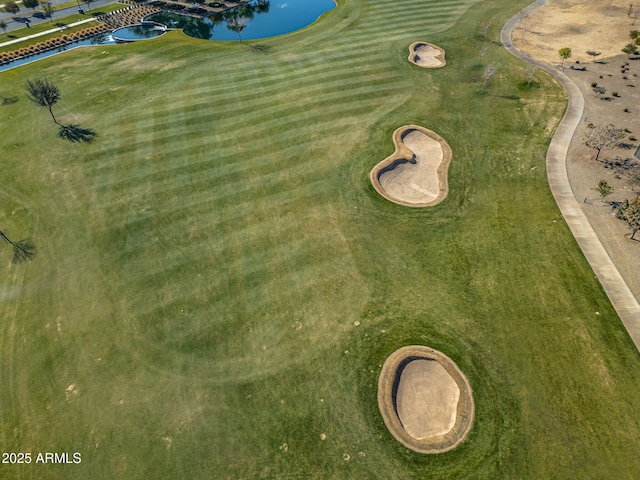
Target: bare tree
(47,9)
(629,211)
(484,28)
(531,71)
(3,26)
(594,54)
(43,93)
(489,71)
(524,23)
(603,138)
(23,250)
(630,11)
(481,53)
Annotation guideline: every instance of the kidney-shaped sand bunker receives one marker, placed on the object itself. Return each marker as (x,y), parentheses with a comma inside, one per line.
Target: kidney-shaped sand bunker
(415,175)
(426,55)
(425,400)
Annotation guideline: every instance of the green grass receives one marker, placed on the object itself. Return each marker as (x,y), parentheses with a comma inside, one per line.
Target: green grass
(202,263)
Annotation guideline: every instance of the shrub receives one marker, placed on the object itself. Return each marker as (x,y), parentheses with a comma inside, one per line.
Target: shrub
(615,94)
(594,84)
(632,138)
(626,110)
(624,77)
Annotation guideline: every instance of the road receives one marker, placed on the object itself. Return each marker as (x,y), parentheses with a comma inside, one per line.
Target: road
(15,22)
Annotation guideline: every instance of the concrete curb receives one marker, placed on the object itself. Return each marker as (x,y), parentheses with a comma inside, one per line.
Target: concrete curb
(614,285)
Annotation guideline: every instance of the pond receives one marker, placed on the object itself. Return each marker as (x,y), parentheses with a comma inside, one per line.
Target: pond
(258,19)
(133,33)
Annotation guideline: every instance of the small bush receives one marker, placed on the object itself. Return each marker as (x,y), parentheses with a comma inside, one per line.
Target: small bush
(594,84)
(632,138)
(624,77)
(615,94)
(626,110)
(577,61)
(591,125)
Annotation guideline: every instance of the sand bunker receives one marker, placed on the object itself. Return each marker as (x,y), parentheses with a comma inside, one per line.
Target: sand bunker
(415,175)
(426,55)
(425,400)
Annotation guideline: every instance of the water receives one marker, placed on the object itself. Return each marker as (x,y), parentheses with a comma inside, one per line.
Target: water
(102,39)
(137,32)
(260,19)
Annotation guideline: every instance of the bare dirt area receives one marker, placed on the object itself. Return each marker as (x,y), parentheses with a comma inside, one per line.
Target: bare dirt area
(604,27)
(600,25)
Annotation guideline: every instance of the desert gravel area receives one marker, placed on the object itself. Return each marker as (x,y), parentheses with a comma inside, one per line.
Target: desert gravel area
(602,26)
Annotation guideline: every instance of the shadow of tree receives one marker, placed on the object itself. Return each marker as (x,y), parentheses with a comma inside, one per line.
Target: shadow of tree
(76,134)
(260,48)
(9,100)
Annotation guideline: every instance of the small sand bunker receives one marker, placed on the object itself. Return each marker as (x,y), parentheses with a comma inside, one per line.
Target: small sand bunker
(425,400)
(415,175)
(426,55)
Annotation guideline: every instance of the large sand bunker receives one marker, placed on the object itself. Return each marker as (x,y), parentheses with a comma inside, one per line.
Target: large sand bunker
(425,400)
(426,55)
(415,174)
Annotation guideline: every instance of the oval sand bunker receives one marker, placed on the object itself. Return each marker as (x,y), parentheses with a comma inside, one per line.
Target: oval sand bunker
(426,55)
(415,175)
(425,400)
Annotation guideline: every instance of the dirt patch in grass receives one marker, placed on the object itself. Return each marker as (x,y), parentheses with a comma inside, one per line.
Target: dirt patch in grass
(599,25)
(415,175)
(425,400)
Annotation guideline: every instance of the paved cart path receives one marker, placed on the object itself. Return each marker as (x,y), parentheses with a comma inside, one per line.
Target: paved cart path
(614,285)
